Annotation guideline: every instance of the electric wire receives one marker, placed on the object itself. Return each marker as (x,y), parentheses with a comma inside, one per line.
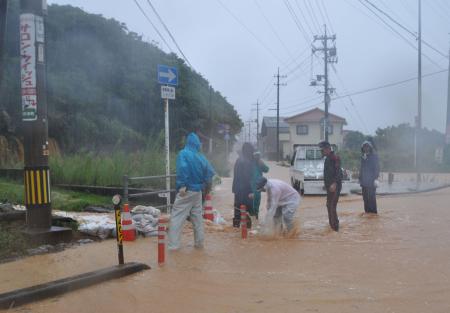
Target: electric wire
(304,17)
(327,16)
(405,29)
(169,32)
(368,90)
(272,28)
(389,85)
(153,25)
(297,21)
(239,21)
(311,14)
(399,34)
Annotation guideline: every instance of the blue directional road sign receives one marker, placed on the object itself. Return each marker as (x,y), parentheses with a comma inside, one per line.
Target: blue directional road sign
(167,75)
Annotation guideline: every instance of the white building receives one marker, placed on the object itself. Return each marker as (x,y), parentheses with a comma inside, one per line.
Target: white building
(307,129)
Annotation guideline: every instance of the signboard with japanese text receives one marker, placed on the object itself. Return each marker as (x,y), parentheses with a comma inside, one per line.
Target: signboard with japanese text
(168,92)
(28,66)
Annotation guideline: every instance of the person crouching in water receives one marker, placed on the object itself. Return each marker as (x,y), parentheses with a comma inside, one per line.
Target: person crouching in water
(282,204)
(194,172)
(368,175)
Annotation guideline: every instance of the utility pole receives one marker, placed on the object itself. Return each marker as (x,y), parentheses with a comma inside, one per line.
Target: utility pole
(257,123)
(35,123)
(210,121)
(329,57)
(419,98)
(3,14)
(447,130)
(278,111)
(249,126)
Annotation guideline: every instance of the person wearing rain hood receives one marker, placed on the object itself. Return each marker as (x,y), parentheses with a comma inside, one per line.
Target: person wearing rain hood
(259,167)
(282,204)
(194,172)
(368,175)
(242,183)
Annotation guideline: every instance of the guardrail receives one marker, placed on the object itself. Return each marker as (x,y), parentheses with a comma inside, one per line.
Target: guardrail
(163,193)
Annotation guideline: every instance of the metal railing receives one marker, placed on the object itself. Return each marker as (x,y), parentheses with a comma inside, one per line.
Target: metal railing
(163,193)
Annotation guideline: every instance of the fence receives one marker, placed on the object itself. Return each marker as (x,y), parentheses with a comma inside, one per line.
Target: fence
(163,193)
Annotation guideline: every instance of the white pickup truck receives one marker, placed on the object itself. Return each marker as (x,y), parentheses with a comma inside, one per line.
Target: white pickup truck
(306,171)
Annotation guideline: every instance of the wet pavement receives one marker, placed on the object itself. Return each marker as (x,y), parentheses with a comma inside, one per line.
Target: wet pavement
(397,261)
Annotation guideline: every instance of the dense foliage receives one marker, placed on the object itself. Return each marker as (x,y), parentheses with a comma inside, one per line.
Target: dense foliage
(395,146)
(102,85)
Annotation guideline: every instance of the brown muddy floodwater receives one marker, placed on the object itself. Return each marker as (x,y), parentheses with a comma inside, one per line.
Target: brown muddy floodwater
(398,261)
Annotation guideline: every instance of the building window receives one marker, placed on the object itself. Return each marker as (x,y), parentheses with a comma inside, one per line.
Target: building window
(330,129)
(302,129)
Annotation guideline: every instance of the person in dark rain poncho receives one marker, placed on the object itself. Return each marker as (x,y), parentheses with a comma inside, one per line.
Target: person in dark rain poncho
(242,183)
(368,175)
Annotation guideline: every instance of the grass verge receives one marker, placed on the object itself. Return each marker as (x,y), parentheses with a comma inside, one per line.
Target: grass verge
(64,200)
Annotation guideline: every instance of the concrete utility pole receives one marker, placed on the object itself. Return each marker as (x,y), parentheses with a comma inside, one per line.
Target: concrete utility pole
(249,126)
(447,129)
(329,57)
(257,104)
(210,122)
(278,111)
(3,14)
(419,98)
(35,123)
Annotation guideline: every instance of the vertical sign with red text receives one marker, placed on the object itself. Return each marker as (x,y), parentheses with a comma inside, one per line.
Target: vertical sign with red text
(28,66)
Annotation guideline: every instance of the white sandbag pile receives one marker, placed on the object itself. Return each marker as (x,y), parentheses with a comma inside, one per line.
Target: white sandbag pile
(99,225)
(145,219)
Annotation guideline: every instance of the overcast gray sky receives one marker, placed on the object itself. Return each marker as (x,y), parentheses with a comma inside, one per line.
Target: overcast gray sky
(239,52)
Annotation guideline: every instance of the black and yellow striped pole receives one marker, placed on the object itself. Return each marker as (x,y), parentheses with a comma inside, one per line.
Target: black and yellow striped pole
(34,113)
(119,235)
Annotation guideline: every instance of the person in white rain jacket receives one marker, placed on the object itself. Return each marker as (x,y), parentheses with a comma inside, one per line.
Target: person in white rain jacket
(282,204)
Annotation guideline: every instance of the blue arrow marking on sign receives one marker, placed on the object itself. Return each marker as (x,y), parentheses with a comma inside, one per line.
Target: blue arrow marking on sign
(167,75)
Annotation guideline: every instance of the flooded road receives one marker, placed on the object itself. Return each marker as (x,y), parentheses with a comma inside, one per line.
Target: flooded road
(398,261)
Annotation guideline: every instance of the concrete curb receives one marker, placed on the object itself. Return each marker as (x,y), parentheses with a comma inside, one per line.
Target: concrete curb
(22,296)
(411,192)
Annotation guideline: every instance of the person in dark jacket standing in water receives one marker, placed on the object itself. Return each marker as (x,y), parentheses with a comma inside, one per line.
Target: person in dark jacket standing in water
(242,183)
(332,176)
(368,175)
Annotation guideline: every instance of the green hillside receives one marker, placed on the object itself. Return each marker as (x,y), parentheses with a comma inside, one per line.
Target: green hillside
(102,88)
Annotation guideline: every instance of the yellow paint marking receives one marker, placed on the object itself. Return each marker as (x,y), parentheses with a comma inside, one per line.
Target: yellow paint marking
(38,179)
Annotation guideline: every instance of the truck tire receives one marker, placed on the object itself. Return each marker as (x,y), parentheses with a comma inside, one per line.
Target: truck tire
(295,185)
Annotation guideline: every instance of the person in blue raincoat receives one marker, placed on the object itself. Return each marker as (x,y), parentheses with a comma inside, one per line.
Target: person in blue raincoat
(259,167)
(194,173)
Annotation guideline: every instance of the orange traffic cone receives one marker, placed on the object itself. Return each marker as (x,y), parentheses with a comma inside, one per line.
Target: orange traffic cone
(128,229)
(208,214)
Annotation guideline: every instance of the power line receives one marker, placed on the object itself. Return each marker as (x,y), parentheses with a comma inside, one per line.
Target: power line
(153,25)
(389,85)
(297,21)
(399,34)
(405,29)
(312,15)
(238,20)
(272,28)
(170,34)
(350,97)
(327,17)
(304,17)
(355,93)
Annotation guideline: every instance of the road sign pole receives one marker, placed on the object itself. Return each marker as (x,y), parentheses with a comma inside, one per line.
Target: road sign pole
(167,148)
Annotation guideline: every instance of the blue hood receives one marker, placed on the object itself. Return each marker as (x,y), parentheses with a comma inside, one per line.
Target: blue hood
(193,170)
(193,142)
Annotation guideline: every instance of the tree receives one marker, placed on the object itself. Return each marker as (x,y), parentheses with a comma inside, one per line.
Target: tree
(102,84)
